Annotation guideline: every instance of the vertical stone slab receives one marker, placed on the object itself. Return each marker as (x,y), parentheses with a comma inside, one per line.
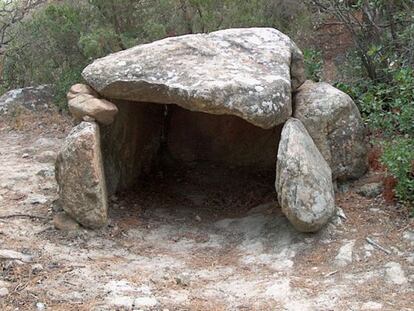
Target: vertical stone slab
(130,145)
(303,180)
(80,176)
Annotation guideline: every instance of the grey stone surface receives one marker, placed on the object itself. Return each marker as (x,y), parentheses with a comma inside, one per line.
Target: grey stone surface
(371,190)
(8,254)
(395,274)
(333,121)
(344,256)
(247,72)
(80,176)
(85,105)
(32,98)
(303,180)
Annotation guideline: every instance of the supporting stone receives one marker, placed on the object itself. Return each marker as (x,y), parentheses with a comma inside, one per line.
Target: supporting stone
(80,176)
(79,89)
(101,110)
(333,121)
(303,180)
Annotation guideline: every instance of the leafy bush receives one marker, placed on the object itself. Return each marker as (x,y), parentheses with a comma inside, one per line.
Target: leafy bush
(59,38)
(398,156)
(313,64)
(45,46)
(67,78)
(388,109)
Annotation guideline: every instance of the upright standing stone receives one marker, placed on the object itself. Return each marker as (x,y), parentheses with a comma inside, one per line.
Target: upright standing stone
(333,121)
(303,180)
(80,176)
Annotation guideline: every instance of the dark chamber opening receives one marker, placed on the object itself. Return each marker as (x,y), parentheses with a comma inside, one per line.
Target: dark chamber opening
(164,156)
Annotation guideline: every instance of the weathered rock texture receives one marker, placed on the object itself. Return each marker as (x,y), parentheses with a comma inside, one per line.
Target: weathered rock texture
(80,175)
(84,102)
(333,121)
(303,180)
(221,98)
(101,110)
(32,98)
(78,89)
(249,73)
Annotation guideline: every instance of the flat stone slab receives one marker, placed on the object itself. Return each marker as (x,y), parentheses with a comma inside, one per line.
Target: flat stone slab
(249,73)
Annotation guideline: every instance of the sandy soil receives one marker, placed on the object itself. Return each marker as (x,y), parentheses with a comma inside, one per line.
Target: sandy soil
(185,241)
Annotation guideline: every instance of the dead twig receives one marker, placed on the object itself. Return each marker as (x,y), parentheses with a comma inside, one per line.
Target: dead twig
(23,215)
(373,243)
(331,273)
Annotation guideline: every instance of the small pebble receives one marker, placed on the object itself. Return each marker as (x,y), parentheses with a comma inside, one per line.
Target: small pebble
(4,292)
(40,306)
(25,155)
(64,222)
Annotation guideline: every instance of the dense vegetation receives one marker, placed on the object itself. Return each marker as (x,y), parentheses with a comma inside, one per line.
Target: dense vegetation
(50,42)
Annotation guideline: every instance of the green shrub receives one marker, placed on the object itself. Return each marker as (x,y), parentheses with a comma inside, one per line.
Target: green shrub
(44,46)
(398,157)
(313,64)
(67,78)
(388,109)
(98,43)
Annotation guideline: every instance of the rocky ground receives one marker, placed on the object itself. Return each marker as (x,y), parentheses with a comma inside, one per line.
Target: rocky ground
(195,239)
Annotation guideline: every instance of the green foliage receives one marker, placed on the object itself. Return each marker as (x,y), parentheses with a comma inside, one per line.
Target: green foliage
(46,45)
(59,38)
(98,43)
(66,79)
(388,108)
(382,30)
(399,158)
(314,64)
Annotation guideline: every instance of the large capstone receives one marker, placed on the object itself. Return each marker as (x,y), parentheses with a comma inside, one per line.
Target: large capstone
(303,180)
(80,175)
(249,73)
(333,121)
